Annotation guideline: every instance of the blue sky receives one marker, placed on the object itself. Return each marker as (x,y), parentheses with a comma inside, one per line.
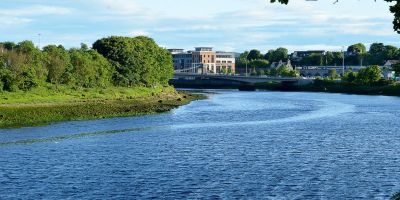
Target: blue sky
(231,25)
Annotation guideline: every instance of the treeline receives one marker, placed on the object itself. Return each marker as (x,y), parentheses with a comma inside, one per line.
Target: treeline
(118,61)
(355,54)
(259,64)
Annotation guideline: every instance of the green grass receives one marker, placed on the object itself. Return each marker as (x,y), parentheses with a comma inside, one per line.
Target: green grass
(66,94)
(42,106)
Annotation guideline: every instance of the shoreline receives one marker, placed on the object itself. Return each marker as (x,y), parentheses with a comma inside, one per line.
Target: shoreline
(325,87)
(19,115)
(340,88)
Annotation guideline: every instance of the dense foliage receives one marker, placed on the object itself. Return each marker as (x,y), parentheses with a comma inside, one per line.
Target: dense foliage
(121,61)
(356,55)
(138,61)
(367,76)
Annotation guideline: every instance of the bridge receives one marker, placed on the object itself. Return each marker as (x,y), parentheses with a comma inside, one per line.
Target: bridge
(230,81)
(241,79)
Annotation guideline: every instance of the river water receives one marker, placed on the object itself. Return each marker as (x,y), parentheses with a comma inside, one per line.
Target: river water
(234,145)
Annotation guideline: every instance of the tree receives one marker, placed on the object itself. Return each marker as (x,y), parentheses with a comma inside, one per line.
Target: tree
(137,61)
(350,76)
(254,55)
(57,59)
(369,75)
(286,70)
(89,69)
(7,79)
(280,54)
(8,45)
(396,68)
(395,9)
(380,53)
(313,60)
(260,72)
(390,52)
(258,63)
(356,49)
(332,74)
(31,58)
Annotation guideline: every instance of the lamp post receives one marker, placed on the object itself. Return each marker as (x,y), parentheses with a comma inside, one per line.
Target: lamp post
(246,67)
(343,62)
(39,39)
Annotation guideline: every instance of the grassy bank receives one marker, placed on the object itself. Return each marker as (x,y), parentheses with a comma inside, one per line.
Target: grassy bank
(334,87)
(44,105)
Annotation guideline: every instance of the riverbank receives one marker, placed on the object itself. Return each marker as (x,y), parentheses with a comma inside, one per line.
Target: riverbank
(42,106)
(335,87)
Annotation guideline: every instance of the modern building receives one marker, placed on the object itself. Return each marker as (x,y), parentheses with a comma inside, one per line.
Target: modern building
(225,62)
(203,60)
(181,59)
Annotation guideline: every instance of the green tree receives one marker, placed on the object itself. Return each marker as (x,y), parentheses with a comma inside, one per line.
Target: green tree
(137,61)
(30,57)
(89,69)
(390,52)
(350,76)
(57,59)
(7,79)
(376,54)
(332,74)
(10,46)
(254,55)
(313,60)
(396,68)
(369,75)
(258,63)
(260,72)
(358,48)
(280,54)
(286,70)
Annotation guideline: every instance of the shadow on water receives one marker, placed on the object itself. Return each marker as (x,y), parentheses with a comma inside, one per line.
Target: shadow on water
(73,136)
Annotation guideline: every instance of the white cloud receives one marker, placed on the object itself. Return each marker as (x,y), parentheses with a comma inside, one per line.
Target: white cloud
(36,10)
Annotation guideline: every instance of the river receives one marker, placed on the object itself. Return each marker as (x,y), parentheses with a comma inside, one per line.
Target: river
(234,145)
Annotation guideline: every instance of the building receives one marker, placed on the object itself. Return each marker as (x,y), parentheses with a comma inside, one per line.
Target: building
(181,59)
(276,65)
(390,63)
(203,60)
(225,62)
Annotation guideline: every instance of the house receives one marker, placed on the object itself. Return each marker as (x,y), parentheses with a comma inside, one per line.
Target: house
(276,65)
(390,63)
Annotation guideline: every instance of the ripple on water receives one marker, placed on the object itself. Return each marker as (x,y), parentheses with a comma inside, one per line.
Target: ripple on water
(262,145)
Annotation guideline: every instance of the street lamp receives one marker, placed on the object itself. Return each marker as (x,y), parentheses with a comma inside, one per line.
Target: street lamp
(39,39)
(246,66)
(343,61)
